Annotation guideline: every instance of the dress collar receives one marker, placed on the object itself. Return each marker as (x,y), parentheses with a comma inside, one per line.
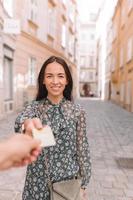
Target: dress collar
(49,102)
(49,106)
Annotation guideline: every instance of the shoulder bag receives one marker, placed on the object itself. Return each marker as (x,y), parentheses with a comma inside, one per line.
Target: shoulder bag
(64,190)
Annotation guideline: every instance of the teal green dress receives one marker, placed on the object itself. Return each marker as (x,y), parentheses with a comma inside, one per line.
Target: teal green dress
(68,157)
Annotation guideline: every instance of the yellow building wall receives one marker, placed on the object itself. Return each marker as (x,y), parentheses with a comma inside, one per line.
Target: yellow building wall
(124,74)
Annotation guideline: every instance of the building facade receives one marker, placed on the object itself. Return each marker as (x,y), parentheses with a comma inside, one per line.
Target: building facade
(47,27)
(87,57)
(104,48)
(122,55)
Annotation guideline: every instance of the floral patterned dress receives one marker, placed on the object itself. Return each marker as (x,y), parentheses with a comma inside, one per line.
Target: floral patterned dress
(68,157)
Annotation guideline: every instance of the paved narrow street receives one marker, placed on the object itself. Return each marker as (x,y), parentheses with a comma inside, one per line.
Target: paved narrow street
(110,134)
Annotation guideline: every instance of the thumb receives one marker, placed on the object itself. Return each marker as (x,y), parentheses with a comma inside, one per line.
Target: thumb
(35,143)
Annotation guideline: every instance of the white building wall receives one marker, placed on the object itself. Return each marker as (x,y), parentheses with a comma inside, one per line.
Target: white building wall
(107,10)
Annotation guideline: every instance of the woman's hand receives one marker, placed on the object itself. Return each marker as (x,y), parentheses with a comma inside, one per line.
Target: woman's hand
(30,124)
(19,150)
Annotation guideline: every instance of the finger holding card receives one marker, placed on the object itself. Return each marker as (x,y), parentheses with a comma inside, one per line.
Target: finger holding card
(45,135)
(30,124)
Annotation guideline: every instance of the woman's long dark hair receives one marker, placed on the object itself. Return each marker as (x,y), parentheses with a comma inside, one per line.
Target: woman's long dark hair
(42,91)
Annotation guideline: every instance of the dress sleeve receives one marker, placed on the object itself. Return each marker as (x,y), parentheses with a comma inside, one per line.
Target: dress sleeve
(83,151)
(27,113)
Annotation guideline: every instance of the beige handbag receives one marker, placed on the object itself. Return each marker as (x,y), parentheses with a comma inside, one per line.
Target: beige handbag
(66,190)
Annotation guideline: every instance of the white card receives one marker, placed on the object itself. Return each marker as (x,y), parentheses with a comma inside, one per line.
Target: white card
(45,135)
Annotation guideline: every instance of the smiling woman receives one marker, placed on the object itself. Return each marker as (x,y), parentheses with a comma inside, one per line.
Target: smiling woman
(70,157)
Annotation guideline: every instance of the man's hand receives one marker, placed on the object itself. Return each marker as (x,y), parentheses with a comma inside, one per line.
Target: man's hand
(19,150)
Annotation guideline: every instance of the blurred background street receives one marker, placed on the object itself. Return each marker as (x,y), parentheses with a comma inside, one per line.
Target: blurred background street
(111,143)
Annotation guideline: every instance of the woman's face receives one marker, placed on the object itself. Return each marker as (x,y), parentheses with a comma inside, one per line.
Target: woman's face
(55,80)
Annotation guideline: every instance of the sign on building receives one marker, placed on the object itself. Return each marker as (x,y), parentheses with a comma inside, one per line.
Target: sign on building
(11,26)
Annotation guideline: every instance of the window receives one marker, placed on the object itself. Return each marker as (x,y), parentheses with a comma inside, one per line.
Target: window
(122,92)
(71,44)
(63,36)
(93,17)
(123,16)
(129,49)
(71,12)
(106,64)
(90,76)
(83,47)
(91,63)
(32,71)
(34,2)
(82,61)
(33,10)
(111,33)
(8,82)
(121,57)
(8,5)
(109,64)
(128,92)
(91,48)
(130,5)
(51,21)
(8,78)
(82,76)
(92,36)
(113,91)
(113,63)
(114,32)
(83,36)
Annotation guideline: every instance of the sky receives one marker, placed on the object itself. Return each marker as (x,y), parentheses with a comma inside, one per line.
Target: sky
(86,6)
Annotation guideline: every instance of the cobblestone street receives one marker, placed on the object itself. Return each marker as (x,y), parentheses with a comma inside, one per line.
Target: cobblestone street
(110,134)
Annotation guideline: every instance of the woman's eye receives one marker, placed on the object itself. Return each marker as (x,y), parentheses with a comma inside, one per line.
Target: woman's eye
(61,76)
